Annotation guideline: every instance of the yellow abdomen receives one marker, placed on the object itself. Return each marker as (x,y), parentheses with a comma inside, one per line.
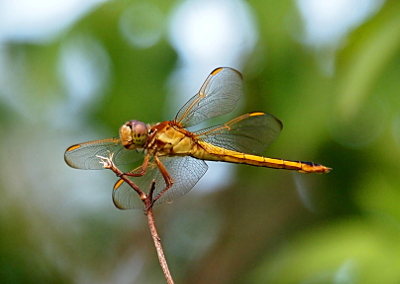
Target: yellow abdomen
(210,152)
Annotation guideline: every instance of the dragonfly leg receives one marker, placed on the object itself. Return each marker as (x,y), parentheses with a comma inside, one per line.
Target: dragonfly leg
(143,168)
(150,195)
(169,181)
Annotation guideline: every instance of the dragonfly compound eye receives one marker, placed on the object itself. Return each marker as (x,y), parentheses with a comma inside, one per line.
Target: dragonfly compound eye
(133,134)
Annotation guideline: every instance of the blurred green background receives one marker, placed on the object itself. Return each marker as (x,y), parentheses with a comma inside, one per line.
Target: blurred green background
(329,70)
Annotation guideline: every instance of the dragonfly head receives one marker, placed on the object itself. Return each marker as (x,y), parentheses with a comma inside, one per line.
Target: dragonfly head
(133,134)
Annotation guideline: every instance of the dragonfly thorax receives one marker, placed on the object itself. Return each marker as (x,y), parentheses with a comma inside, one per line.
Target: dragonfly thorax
(133,134)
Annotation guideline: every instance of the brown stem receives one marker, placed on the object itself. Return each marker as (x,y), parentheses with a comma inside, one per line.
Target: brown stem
(156,238)
(148,203)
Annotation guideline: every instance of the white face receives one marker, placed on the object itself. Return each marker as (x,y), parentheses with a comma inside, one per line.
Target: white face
(133,134)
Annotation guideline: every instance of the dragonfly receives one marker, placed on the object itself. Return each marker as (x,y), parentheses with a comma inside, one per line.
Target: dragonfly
(174,157)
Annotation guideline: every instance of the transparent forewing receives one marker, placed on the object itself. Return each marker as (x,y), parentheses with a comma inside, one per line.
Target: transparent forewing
(218,96)
(83,156)
(250,133)
(186,172)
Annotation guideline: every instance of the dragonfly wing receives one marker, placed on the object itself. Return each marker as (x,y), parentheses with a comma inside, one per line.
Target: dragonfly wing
(186,172)
(83,156)
(218,96)
(249,133)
